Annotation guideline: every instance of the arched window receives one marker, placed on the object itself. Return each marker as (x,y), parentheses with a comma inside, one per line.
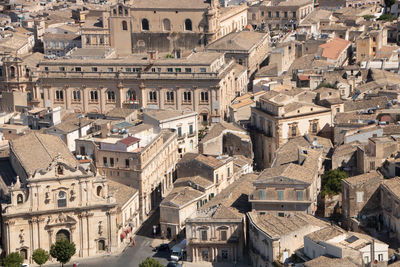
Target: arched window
(63,235)
(59,95)
(187,97)
(131,95)
(126,12)
(152,96)
(101,245)
(170,96)
(120,10)
(188,25)
(114,11)
(76,95)
(24,253)
(124,25)
(110,96)
(20,199)
(99,191)
(62,199)
(93,96)
(166,25)
(12,72)
(204,96)
(145,25)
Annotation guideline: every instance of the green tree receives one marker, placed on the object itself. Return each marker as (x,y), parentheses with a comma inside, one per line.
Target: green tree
(386,17)
(62,250)
(13,260)
(327,85)
(40,256)
(150,262)
(368,17)
(331,182)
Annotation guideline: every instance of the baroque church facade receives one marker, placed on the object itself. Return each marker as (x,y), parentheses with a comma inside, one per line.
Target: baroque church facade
(59,199)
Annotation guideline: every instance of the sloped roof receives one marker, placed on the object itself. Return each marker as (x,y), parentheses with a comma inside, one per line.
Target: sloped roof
(37,151)
(291,171)
(334,47)
(243,40)
(122,193)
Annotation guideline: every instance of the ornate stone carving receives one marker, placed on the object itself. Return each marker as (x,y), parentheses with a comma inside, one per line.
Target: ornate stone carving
(21,236)
(100,228)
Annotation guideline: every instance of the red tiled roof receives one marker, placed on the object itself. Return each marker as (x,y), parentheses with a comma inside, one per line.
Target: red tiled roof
(303,77)
(129,140)
(334,47)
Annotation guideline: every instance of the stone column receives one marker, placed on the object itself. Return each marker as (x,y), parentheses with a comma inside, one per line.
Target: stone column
(67,97)
(85,100)
(50,237)
(121,96)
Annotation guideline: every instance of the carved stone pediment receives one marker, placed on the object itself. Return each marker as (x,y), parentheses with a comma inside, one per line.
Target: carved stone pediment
(60,220)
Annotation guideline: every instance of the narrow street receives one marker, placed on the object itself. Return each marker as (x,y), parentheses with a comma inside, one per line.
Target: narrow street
(131,256)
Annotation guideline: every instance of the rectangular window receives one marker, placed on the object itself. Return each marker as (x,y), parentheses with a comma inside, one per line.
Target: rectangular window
(277,14)
(380,257)
(204,235)
(269,14)
(262,194)
(128,69)
(314,127)
(223,235)
(229,172)
(110,69)
(285,14)
(188,70)
(104,160)
(170,69)
(62,68)
(216,178)
(112,162)
(294,130)
(179,131)
(190,129)
(360,197)
(280,194)
(203,69)
(299,195)
(178,70)
(294,14)
(126,163)
(262,13)
(78,69)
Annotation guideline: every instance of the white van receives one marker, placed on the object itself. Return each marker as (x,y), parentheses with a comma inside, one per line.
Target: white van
(178,251)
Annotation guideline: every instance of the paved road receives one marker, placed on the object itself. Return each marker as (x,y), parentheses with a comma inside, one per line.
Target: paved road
(131,256)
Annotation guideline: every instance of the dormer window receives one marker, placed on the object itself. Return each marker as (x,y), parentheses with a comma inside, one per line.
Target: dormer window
(62,199)
(20,199)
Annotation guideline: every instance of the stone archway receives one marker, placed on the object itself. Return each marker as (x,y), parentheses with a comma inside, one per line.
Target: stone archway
(63,235)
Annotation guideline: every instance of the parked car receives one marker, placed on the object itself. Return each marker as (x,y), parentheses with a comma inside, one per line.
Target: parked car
(173,264)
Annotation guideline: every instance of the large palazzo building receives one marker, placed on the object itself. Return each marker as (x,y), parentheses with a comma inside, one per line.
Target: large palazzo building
(55,197)
(204,82)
